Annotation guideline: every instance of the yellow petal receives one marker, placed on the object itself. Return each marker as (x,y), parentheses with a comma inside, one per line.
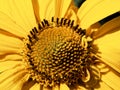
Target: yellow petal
(7,65)
(9,73)
(13,57)
(64,87)
(8,79)
(19,84)
(109,46)
(108,27)
(35,87)
(61,7)
(46,9)
(28,84)
(9,25)
(112,79)
(104,86)
(36,8)
(95,10)
(9,44)
(4,6)
(21,11)
(72,16)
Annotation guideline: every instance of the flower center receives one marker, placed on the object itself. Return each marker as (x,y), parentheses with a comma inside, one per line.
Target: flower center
(57,52)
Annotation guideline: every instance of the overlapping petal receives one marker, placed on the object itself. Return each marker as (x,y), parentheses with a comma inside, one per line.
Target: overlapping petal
(109,27)
(10,78)
(9,44)
(9,25)
(20,83)
(112,79)
(61,7)
(92,11)
(46,8)
(109,46)
(51,8)
(21,11)
(104,86)
(7,65)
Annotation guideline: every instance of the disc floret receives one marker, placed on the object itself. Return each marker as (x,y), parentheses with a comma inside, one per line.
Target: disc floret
(58,52)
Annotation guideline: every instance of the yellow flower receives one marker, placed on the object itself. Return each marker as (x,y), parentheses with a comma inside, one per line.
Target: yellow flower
(50,44)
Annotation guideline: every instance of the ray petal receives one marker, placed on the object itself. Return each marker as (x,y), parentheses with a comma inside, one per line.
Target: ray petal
(28,84)
(19,84)
(12,57)
(112,79)
(9,78)
(21,11)
(36,8)
(9,25)
(109,46)
(95,10)
(104,86)
(61,7)
(71,14)
(46,8)
(108,27)
(6,65)
(9,44)
(9,73)
(4,7)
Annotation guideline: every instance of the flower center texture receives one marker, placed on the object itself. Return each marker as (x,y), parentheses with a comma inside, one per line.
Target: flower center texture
(58,52)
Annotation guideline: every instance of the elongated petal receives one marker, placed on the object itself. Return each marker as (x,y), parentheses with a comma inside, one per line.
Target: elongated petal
(112,79)
(50,8)
(9,78)
(12,57)
(9,62)
(4,7)
(21,11)
(24,13)
(104,86)
(9,73)
(46,8)
(8,44)
(95,10)
(36,8)
(9,25)
(72,16)
(6,65)
(109,46)
(19,84)
(108,27)
(28,84)
(61,7)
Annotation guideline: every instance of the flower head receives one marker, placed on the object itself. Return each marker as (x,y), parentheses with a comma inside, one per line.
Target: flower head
(52,44)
